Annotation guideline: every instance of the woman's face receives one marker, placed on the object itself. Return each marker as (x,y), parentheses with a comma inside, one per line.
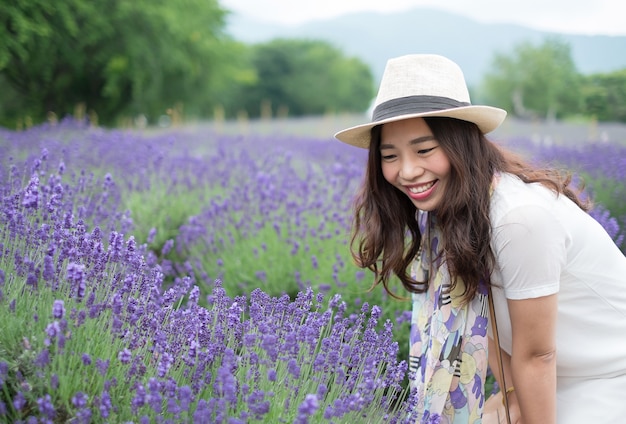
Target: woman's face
(413,162)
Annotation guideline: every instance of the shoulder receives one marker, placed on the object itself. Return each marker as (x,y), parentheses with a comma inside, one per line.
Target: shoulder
(526,214)
(513,195)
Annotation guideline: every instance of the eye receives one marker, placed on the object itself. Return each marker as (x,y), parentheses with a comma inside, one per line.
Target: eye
(425,151)
(388,158)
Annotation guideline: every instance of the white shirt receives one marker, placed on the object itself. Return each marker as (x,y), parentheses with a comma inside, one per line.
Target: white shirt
(544,245)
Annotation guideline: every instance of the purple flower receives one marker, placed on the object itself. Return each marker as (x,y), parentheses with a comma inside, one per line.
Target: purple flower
(167,247)
(31,194)
(293,368)
(194,295)
(151,235)
(269,343)
(105,406)
(46,408)
(54,381)
(225,383)
(172,406)
(79,400)
(4,372)
(165,363)
(19,401)
(76,277)
(32,280)
(185,397)
(155,399)
(139,399)
(307,408)
(124,356)
(102,365)
(43,358)
(403,316)
(431,419)
(58,309)
(53,330)
(48,268)
(86,359)
(258,405)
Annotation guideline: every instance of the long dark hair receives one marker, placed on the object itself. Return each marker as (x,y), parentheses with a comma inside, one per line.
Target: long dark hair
(386,237)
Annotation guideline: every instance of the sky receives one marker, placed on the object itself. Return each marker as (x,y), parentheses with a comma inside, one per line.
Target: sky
(587,17)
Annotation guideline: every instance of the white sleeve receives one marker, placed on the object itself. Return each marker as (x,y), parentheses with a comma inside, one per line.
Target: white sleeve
(530,247)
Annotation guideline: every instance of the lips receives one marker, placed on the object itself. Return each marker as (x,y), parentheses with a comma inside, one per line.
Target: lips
(421,188)
(421,191)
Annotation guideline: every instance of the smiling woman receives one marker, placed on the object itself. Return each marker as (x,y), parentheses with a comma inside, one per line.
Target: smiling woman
(470,228)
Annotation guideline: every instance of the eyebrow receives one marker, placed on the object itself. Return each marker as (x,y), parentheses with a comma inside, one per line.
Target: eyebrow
(412,142)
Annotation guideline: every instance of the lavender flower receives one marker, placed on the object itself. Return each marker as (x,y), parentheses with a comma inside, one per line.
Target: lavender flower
(76,277)
(58,309)
(124,356)
(307,408)
(46,408)
(31,193)
(106,405)
(86,359)
(19,401)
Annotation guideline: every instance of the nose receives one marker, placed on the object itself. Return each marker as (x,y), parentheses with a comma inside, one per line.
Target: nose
(410,169)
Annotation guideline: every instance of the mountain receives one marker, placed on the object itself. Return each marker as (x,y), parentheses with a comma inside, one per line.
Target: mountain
(375,37)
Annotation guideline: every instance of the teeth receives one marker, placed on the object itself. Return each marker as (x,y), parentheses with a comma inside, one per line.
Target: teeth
(422,188)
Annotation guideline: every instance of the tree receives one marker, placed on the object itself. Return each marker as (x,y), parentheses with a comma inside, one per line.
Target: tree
(118,57)
(605,96)
(306,77)
(535,80)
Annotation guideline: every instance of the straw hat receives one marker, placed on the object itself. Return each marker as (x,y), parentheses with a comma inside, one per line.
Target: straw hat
(421,85)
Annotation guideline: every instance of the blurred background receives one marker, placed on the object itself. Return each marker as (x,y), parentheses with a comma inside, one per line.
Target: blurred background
(137,64)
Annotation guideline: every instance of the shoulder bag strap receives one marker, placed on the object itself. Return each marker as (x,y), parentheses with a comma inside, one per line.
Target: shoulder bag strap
(492,313)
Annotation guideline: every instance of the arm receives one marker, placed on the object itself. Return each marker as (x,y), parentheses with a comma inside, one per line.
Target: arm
(530,249)
(532,369)
(497,402)
(533,360)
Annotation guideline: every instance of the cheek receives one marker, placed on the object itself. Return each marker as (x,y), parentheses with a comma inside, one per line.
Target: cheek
(443,166)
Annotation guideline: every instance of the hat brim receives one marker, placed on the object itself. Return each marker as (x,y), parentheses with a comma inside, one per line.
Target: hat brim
(487,118)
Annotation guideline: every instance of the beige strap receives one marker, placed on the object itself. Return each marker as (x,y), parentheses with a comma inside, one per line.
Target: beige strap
(505,392)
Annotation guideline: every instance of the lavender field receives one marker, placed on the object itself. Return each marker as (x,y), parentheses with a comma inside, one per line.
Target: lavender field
(205,276)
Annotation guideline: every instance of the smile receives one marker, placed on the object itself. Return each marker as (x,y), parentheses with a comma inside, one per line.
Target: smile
(422,188)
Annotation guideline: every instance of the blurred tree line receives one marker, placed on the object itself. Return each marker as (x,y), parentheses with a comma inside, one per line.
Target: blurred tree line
(541,81)
(120,59)
(114,57)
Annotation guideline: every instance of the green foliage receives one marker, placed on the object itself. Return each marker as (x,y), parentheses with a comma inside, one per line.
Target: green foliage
(535,81)
(605,96)
(118,58)
(23,341)
(304,77)
(608,192)
(163,208)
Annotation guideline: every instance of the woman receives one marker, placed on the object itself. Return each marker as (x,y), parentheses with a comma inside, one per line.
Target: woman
(456,217)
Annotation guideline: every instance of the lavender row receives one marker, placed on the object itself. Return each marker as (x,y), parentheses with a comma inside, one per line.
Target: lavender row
(96,336)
